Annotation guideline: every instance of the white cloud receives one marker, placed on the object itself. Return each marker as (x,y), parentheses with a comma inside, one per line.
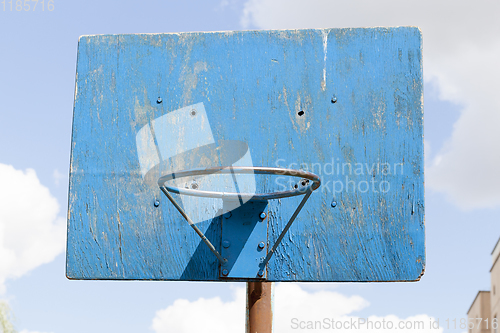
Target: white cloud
(31,233)
(471,158)
(203,315)
(461,53)
(294,310)
(292,301)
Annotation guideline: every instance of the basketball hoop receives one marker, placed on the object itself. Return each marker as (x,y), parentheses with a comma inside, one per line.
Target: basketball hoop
(310,183)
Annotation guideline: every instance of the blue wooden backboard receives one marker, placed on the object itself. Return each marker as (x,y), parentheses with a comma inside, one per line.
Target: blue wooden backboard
(345,104)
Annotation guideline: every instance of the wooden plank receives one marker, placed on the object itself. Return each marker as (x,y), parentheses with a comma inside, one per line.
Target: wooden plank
(274,91)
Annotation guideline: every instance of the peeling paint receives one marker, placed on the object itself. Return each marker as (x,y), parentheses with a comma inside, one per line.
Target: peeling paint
(325,49)
(275,98)
(189,78)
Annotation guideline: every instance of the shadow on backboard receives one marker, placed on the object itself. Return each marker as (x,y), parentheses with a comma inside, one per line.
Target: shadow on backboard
(203,264)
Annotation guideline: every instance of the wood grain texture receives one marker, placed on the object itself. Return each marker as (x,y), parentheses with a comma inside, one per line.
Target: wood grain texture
(253,85)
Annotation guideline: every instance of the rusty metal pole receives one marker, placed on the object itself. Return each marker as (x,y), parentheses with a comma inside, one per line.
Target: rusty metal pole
(259,307)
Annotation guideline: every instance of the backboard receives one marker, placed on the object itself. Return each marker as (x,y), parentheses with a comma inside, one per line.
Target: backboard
(343,104)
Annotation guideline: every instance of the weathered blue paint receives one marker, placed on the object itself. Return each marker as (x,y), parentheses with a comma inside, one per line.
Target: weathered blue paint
(275,92)
(243,229)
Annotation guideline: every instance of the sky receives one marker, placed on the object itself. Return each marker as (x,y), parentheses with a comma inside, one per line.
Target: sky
(461,115)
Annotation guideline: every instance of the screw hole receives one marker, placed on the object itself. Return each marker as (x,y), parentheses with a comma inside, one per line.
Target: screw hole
(193,112)
(194,186)
(295,186)
(300,113)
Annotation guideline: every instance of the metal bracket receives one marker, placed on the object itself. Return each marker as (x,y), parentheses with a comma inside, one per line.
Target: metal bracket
(244,239)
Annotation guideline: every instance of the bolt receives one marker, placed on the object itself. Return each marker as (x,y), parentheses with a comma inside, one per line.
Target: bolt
(227,215)
(334,99)
(260,273)
(193,112)
(225,272)
(334,203)
(157,203)
(262,215)
(226,244)
(159,100)
(262,245)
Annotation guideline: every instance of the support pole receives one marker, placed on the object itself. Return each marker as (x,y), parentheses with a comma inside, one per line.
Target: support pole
(259,307)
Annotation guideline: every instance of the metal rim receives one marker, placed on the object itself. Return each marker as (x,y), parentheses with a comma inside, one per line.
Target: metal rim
(316,182)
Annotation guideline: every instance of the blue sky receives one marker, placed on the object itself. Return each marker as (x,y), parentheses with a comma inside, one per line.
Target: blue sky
(37,75)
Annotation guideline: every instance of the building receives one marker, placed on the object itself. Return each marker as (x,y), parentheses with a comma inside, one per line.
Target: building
(495,282)
(486,305)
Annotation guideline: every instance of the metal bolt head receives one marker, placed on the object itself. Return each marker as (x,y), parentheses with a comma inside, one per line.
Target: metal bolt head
(262,215)
(159,100)
(260,273)
(225,272)
(334,99)
(334,203)
(227,215)
(262,245)
(226,244)
(157,203)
